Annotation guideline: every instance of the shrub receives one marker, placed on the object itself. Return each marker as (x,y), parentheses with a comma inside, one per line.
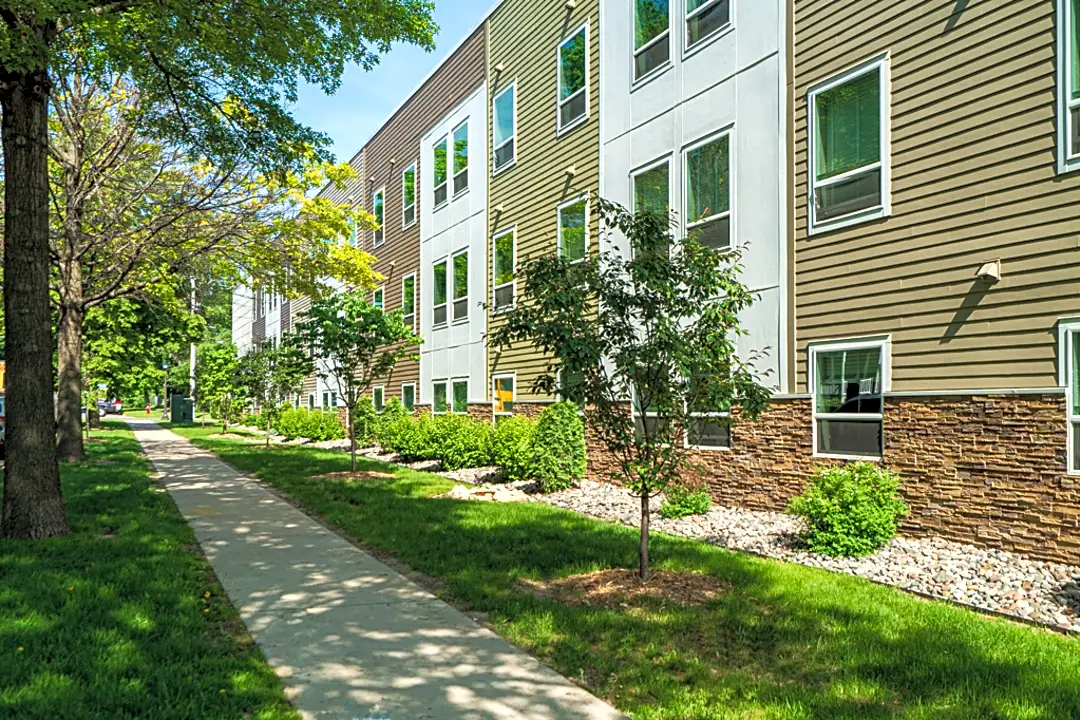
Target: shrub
(558,454)
(417,442)
(850,510)
(330,426)
(681,502)
(511,447)
(290,422)
(461,442)
(260,420)
(364,420)
(391,414)
(396,436)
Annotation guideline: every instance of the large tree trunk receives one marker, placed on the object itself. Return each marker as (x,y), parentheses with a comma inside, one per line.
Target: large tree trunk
(643,548)
(33,506)
(69,391)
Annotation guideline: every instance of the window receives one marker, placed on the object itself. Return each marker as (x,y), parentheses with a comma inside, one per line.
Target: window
(439,398)
(1069,84)
(408,196)
(647,420)
(311,401)
(408,300)
(709,428)
(571,387)
(652,189)
(849,380)
(573,239)
(438,292)
(408,396)
(377,298)
(354,231)
(461,396)
(1069,354)
(378,397)
(652,46)
(325,400)
(461,286)
(380,200)
(440,172)
(705,18)
(849,173)
(461,158)
(503,128)
(708,193)
(573,79)
(333,399)
(503,394)
(502,259)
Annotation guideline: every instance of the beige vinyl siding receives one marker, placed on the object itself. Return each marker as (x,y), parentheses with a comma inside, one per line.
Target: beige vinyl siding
(524,36)
(390,151)
(974,178)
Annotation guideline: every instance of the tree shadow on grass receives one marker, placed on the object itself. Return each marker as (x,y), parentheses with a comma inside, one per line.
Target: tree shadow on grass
(109,621)
(783,641)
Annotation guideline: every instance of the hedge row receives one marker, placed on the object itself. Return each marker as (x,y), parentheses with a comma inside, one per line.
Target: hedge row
(312,425)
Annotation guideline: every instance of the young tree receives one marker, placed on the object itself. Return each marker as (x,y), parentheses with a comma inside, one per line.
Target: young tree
(355,343)
(132,213)
(274,372)
(647,345)
(220,77)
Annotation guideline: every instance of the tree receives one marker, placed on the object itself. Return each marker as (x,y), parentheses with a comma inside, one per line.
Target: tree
(274,372)
(356,342)
(646,345)
(131,212)
(219,77)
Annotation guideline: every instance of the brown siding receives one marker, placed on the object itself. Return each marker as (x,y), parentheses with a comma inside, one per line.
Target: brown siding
(524,37)
(974,179)
(395,147)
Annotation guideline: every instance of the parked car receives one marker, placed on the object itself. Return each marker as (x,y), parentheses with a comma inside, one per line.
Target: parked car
(104,407)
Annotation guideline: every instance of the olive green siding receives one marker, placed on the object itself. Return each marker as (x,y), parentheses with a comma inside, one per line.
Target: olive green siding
(974,178)
(523,37)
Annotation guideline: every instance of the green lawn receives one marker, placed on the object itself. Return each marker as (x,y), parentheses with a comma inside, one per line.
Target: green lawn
(121,619)
(785,641)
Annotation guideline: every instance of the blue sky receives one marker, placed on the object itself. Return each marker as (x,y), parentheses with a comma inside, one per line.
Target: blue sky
(366,99)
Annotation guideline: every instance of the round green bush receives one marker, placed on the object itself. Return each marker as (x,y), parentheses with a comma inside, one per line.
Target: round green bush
(850,510)
(558,454)
(289,424)
(461,442)
(393,412)
(511,447)
(365,418)
(682,502)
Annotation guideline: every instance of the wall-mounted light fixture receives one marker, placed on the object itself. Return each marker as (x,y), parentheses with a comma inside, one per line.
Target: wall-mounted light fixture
(571,171)
(499,67)
(570,4)
(498,209)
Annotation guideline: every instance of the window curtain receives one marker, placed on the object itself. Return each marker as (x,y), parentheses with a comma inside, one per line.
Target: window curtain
(847,126)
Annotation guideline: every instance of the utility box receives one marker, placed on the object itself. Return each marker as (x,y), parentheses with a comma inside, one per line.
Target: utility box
(182,409)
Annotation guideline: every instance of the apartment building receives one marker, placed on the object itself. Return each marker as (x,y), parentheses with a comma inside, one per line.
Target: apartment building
(901,178)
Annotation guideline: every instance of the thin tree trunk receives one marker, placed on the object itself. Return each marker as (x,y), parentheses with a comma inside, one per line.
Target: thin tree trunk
(643,549)
(352,436)
(69,391)
(33,505)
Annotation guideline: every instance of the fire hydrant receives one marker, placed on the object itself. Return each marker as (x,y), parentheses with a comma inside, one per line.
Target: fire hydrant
(147,409)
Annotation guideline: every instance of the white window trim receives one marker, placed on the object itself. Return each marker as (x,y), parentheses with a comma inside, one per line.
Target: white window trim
(376,242)
(691,48)
(512,230)
(707,448)
(497,170)
(1068,333)
(559,102)
(829,346)
(445,304)
(494,386)
(382,389)
(412,324)
(405,207)
(450,397)
(381,290)
(449,167)
(453,157)
(665,36)
(414,397)
(884,209)
(1067,160)
(729,133)
(558,228)
(452,286)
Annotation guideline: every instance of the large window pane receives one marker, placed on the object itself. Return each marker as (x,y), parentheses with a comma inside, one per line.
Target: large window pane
(504,394)
(651,191)
(859,192)
(503,260)
(847,126)
(1074,379)
(408,298)
(650,23)
(849,381)
(572,78)
(461,286)
(862,438)
(408,195)
(708,193)
(572,242)
(711,432)
(438,293)
(439,397)
(461,396)
(503,127)
(379,214)
(461,158)
(1074,49)
(408,397)
(704,17)
(440,172)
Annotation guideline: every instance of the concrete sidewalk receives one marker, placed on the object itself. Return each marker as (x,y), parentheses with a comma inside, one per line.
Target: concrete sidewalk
(351,638)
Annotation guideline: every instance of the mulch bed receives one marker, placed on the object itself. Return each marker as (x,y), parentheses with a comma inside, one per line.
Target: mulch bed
(623,588)
(359,476)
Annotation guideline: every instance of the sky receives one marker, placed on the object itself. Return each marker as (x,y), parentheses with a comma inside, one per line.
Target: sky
(365,99)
